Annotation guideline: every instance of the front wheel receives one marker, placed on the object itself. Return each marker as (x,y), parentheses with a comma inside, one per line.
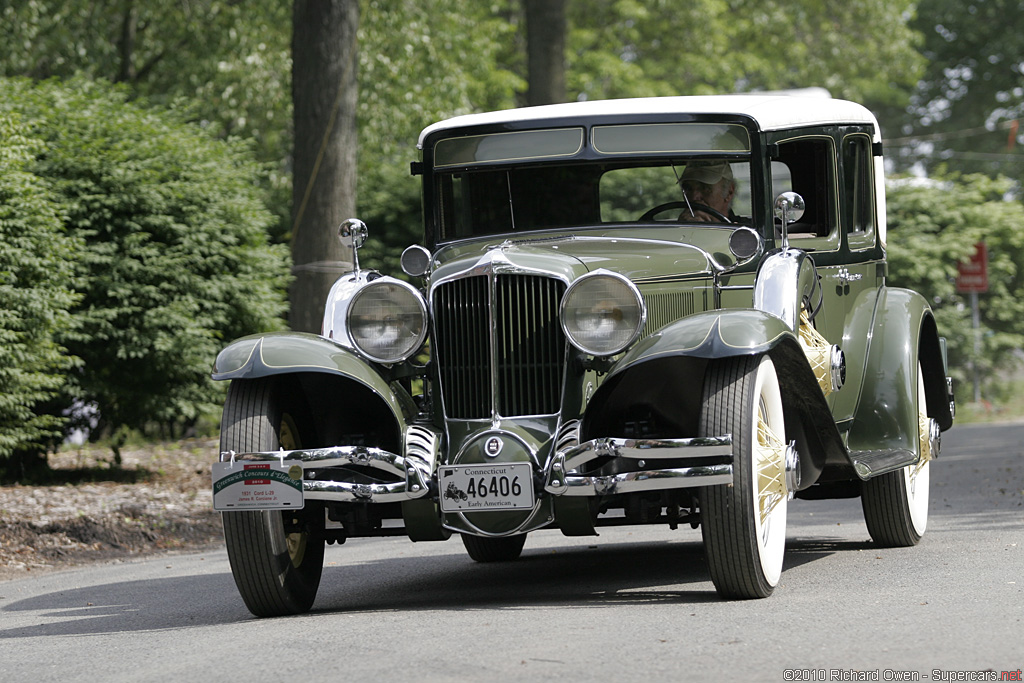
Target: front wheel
(744,523)
(276,561)
(896,503)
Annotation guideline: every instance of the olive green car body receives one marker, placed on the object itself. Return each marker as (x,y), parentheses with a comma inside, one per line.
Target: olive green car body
(702,302)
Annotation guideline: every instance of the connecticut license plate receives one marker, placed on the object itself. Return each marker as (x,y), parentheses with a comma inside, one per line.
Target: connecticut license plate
(257,486)
(507,486)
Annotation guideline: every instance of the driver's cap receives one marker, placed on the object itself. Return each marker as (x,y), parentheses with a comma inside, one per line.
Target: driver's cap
(707,172)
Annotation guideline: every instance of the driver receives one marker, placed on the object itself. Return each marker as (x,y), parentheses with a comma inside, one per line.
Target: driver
(707,184)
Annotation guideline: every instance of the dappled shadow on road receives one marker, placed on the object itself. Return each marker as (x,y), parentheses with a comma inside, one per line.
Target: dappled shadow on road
(578,577)
(602,576)
(130,606)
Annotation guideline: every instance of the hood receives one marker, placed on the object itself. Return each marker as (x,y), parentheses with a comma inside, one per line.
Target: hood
(570,256)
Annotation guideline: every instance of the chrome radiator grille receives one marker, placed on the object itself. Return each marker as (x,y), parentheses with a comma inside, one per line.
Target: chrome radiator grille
(526,350)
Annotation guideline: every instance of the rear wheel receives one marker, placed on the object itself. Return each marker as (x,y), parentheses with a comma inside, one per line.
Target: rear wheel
(744,524)
(276,560)
(896,503)
(488,549)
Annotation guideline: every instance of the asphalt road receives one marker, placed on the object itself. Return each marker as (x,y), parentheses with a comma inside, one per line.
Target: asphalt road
(632,604)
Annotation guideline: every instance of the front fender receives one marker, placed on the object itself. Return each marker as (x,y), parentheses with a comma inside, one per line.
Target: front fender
(712,334)
(659,384)
(299,352)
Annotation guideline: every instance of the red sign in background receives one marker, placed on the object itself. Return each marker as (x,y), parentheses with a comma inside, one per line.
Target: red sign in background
(973,275)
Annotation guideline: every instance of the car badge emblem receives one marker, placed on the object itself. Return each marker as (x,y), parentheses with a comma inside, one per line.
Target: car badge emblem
(493,447)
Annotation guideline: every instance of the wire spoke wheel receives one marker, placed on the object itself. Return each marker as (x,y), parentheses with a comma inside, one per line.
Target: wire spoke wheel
(276,561)
(896,503)
(744,524)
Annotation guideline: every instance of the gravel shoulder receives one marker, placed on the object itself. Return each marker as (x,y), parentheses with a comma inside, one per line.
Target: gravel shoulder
(158,501)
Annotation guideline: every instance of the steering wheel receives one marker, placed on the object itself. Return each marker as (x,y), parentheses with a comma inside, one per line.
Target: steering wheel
(693,206)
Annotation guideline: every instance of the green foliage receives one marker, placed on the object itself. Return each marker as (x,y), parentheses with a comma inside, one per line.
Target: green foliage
(418,63)
(935,224)
(962,112)
(230,61)
(629,48)
(175,260)
(35,273)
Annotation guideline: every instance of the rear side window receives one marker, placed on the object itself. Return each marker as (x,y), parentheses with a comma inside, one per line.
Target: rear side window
(858,184)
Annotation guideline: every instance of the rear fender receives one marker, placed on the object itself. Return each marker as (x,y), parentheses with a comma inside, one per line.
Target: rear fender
(657,388)
(903,333)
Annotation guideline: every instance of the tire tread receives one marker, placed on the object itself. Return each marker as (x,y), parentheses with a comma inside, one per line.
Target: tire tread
(734,569)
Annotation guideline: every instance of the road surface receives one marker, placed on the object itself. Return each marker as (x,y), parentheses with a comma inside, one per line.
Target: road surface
(632,604)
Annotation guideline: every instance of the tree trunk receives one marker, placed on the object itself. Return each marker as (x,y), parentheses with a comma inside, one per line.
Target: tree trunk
(126,45)
(545,51)
(324,58)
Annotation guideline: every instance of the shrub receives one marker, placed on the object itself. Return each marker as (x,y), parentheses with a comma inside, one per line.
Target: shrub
(35,274)
(175,260)
(935,224)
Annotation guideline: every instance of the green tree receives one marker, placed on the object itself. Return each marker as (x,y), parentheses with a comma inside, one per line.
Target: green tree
(962,116)
(35,273)
(175,259)
(861,49)
(229,61)
(933,224)
(419,63)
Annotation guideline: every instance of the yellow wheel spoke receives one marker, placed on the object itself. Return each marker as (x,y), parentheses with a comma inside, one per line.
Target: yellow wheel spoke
(771,469)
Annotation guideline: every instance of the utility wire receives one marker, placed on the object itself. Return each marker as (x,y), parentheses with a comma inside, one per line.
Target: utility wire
(952,134)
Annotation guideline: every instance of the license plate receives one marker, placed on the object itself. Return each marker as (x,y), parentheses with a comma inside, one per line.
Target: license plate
(257,486)
(507,486)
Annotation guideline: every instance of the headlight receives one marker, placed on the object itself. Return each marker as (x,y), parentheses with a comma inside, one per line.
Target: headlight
(603,313)
(387,320)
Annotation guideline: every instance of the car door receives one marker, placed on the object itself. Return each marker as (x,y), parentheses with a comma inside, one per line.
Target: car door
(856,280)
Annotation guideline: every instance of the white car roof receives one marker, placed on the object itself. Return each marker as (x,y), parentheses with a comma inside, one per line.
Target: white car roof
(772,112)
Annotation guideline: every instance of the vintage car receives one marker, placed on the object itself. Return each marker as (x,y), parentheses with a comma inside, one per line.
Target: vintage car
(653,311)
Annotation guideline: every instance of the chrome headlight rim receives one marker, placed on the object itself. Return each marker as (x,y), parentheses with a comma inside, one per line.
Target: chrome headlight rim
(415,341)
(633,291)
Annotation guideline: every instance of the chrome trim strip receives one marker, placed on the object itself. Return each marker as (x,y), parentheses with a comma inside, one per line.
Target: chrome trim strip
(648,480)
(643,449)
(369,493)
(561,479)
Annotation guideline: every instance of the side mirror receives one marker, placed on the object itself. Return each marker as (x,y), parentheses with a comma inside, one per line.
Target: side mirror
(352,234)
(789,208)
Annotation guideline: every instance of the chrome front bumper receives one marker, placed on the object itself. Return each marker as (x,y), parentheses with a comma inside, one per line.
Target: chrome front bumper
(415,470)
(561,479)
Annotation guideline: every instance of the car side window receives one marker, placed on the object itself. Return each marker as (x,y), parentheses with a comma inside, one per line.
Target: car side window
(806,166)
(859,187)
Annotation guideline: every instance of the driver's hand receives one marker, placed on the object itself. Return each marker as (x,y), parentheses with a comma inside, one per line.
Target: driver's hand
(700,216)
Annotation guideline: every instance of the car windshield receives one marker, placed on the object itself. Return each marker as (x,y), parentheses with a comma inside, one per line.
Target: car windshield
(566,178)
